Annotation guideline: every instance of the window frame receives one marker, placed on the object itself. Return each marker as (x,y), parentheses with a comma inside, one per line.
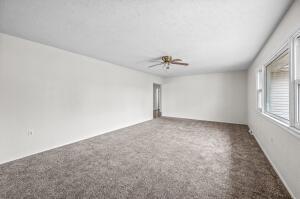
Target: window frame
(282,50)
(293,125)
(297,103)
(259,90)
(295,83)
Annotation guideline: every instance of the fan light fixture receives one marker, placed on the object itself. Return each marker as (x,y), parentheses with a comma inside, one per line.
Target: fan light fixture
(167,61)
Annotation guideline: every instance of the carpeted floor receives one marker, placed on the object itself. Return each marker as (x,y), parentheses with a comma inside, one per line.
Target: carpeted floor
(163,158)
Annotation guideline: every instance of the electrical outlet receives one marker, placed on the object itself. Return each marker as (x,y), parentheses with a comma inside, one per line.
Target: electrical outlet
(250,131)
(30,132)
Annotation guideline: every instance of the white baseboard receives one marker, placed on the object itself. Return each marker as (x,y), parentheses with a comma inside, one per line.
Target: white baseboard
(199,119)
(91,135)
(273,165)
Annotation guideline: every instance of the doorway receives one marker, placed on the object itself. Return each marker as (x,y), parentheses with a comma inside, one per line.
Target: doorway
(156,100)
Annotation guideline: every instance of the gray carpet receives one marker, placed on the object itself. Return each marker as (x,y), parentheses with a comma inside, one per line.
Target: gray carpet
(162,158)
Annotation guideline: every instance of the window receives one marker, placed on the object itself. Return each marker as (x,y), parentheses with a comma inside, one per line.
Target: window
(259,85)
(297,123)
(296,63)
(277,86)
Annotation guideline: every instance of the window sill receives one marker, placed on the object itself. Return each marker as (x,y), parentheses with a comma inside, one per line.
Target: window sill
(292,130)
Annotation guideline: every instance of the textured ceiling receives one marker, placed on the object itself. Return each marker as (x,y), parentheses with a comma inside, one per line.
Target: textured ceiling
(211,35)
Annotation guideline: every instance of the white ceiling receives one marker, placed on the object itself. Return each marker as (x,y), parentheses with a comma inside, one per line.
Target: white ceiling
(211,35)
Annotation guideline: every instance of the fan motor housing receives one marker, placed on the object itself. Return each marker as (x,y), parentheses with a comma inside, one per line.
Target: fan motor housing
(166,59)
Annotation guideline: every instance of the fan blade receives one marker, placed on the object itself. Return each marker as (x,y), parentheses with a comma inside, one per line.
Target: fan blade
(154,65)
(175,60)
(157,59)
(184,64)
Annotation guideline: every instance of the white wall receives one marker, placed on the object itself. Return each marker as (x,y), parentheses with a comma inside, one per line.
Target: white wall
(63,97)
(218,97)
(281,147)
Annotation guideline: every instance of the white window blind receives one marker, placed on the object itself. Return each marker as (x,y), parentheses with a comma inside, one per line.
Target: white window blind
(277,85)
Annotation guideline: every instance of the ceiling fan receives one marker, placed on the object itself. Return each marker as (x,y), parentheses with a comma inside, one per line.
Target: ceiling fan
(167,61)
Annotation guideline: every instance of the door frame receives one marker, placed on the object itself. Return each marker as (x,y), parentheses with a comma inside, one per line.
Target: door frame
(156,111)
